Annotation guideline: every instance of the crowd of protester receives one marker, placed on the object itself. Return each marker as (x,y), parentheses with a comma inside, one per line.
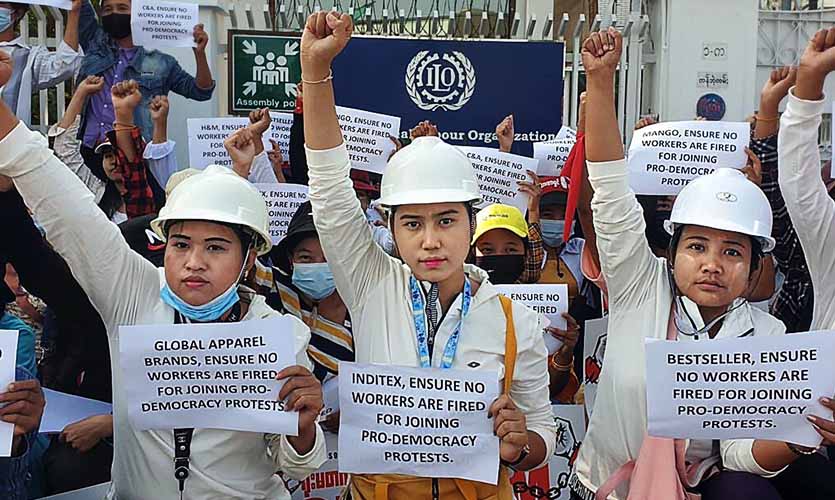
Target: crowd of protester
(102,228)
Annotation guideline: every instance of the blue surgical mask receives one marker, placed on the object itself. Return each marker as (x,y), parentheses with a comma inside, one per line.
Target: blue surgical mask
(209,311)
(5,19)
(552,231)
(314,280)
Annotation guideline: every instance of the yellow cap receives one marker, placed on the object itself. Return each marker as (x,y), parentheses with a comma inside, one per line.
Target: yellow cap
(499,216)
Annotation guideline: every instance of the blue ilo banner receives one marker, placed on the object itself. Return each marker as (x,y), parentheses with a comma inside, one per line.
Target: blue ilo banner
(464,87)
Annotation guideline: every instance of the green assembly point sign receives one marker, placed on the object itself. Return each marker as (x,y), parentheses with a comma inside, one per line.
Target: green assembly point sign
(264,71)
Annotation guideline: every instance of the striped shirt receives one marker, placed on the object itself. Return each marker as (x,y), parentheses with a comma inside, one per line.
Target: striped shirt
(330,342)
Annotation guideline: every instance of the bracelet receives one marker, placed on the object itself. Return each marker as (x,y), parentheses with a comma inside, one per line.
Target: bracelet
(324,80)
(800,451)
(123,128)
(553,363)
(760,119)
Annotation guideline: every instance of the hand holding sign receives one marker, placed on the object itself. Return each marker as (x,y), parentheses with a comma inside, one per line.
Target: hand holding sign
(534,192)
(325,36)
(510,425)
(24,404)
(567,337)
(302,393)
(754,170)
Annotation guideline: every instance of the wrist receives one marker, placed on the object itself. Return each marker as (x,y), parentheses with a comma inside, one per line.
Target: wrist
(315,71)
(768,107)
(809,84)
(124,116)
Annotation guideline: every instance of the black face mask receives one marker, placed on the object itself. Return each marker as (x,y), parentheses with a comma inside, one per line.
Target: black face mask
(116,25)
(503,269)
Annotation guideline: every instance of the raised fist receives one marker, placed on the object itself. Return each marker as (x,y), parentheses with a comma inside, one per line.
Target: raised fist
(126,95)
(601,51)
(324,37)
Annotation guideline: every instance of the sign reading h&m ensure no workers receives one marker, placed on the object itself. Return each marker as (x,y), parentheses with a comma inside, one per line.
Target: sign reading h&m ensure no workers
(264,71)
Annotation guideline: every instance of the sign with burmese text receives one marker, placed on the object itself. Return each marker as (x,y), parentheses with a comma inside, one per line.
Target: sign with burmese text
(422,422)
(216,375)
(740,388)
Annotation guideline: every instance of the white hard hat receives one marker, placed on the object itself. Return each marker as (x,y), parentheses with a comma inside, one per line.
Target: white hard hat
(218,195)
(724,200)
(429,171)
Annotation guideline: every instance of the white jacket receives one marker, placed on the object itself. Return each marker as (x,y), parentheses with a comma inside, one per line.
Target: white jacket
(375,287)
(811,209)
(124,288)
(639,307)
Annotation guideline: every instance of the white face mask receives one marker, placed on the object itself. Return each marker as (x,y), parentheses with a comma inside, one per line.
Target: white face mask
(5,18)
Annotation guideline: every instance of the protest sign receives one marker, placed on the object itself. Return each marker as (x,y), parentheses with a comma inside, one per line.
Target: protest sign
(551,480)
(422,422)
(206,136)
(750,387)
(61,4)
(96,492)
(665,157)
(64,409)
(549,300)
(282,202)
(832,152)
(498,176)
(214,375)
(552,156)
(594,349)
(8,359)
(327,482)
(566,133)
(368,137)
(164,24)
(330,396)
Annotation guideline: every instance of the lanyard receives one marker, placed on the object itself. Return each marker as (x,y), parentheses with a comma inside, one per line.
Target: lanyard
(182,437)
(421,330)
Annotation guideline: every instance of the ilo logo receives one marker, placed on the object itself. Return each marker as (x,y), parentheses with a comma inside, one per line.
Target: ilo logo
(444,81)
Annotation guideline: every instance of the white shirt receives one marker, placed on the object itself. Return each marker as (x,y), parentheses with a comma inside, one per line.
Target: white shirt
(639,307)
(161,160)
(262,170)
(44,69)
(811,209)
(67,148)
(124,289)
(375,288)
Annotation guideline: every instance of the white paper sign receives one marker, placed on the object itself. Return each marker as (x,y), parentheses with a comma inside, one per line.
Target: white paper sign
(215,375)
(422,422)
(282,202)
(498,176)
(327,482)
(368,137)
(595,336)
(549,300)
(163,24)
(330,396)
(665,157)
(740,388)
(566,133)
(97,492)
(552,156)
(63,409)
(61,4)
(206,136)
(551,480)
(832,147)
(8,360)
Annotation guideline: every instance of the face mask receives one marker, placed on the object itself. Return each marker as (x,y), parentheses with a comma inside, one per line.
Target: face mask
(503,269)
(210,311)
(116,25)
(314,280)
(5,18)
(552,231)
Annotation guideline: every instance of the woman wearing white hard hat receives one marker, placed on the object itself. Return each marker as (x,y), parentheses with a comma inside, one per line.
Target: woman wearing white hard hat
(214,223)
(429,188)
(721,227)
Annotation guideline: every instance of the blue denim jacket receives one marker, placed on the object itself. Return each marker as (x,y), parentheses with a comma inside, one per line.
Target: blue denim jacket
(14,471)
(157,73)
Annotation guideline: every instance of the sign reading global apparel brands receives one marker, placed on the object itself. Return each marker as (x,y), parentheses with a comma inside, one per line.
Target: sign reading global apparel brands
(465,87)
